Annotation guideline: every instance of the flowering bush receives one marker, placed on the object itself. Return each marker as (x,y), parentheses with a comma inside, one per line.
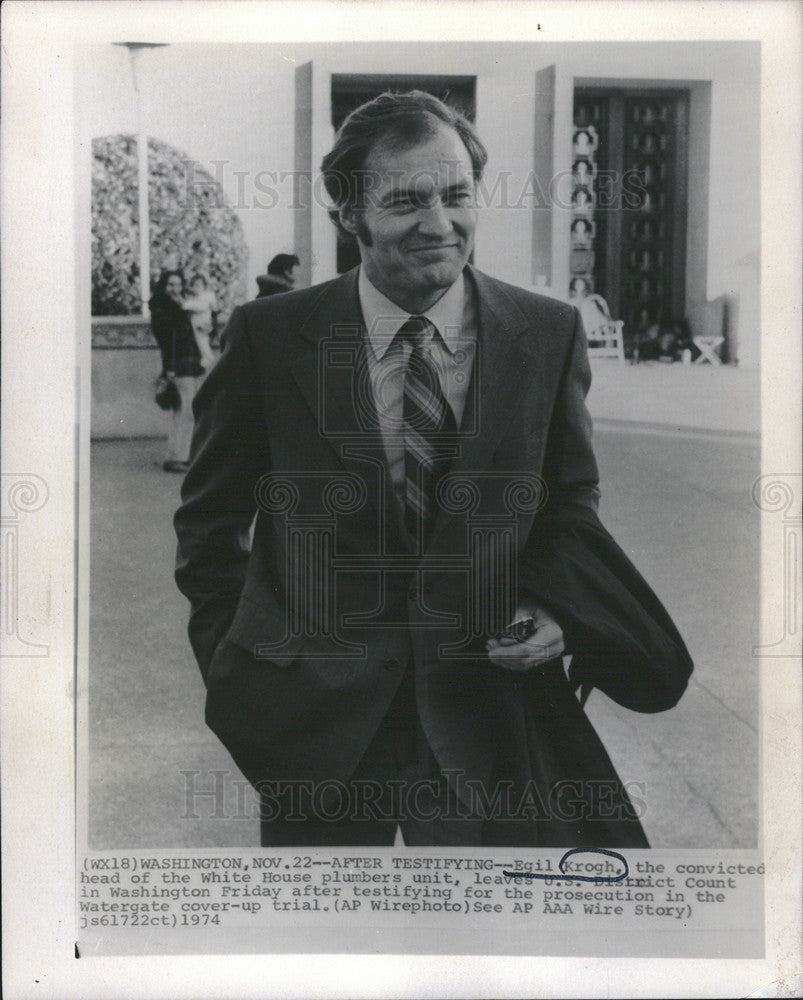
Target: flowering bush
(192,226)
(115,227)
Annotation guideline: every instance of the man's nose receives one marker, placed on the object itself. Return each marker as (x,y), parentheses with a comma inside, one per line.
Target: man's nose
(433,220)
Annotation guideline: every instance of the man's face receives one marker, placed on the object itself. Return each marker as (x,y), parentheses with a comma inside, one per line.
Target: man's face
(290,276)
(416,227)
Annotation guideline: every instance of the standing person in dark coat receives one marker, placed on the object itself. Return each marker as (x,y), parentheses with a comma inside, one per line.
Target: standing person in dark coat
(413,439)
(281,276)
(181,358)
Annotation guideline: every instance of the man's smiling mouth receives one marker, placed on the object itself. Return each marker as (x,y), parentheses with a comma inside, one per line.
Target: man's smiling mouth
(434,249)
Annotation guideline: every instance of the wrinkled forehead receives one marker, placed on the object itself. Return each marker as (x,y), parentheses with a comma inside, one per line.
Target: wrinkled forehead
(433,161)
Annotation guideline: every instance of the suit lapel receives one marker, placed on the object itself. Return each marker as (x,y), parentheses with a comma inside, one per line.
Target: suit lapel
(504,364)
(332,373)
(332,369)
(506,381)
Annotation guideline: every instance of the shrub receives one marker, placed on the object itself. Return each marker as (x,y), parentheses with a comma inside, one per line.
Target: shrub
(192,226)
(115,227)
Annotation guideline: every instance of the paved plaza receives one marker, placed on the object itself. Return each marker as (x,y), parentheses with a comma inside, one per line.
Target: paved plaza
(677,501)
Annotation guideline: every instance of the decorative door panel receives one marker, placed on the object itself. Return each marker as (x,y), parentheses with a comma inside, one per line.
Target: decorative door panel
(629,185)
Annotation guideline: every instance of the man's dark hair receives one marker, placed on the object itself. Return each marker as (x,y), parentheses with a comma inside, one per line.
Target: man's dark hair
(282,263)
(404,120)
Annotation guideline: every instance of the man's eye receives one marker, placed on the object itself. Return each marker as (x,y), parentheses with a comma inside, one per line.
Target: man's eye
(411,203)
(403,205)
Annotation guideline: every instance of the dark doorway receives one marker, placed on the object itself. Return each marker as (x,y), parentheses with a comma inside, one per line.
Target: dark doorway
(350,91)
(630,153)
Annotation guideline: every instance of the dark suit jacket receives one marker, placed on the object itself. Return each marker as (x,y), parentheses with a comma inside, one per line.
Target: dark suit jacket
(302,641)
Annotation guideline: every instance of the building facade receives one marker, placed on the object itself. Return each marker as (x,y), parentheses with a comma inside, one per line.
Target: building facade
(628,170)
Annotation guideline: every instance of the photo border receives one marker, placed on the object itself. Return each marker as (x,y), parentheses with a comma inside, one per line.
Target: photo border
(44,307)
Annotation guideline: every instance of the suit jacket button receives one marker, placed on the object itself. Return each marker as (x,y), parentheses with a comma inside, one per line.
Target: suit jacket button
(392,663)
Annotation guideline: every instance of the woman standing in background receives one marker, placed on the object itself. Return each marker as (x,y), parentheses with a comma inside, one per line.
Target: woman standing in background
(181,359)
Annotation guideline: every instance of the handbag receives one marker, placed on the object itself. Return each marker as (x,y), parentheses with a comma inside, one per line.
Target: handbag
(166,392)
(165,389)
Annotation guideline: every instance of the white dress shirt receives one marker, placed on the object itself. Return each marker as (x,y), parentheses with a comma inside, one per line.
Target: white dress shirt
(451,347)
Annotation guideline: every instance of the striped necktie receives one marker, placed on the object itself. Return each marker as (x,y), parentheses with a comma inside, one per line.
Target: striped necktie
(427,419)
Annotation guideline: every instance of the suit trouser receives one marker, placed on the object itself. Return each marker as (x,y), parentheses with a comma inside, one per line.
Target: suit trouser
(541,789)
(396,784)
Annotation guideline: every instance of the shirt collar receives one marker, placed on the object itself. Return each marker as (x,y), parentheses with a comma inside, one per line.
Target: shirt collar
(383,318)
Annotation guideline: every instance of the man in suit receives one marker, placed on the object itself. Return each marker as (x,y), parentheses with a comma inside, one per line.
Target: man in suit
(413,440)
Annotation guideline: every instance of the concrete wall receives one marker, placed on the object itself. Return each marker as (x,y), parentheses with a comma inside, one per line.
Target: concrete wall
(125,363)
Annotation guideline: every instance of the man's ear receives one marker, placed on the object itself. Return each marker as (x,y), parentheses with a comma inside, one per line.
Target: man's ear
(348,219)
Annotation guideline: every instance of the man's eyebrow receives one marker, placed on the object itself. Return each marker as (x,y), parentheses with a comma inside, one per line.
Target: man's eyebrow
(459,187)
(396,195)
